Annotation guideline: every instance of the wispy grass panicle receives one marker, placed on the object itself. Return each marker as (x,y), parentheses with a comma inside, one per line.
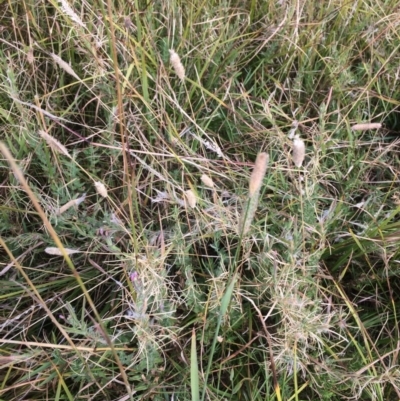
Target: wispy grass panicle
(67,9)
(65,66)
(53,143)
(256,179)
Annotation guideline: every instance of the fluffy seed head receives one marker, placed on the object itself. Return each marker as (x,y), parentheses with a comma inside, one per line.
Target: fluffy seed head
(101,189)
(366,126)
(177,65)
(257,176)
(51,250)
(29,56)
(207,181)
(190,197)
(299,151)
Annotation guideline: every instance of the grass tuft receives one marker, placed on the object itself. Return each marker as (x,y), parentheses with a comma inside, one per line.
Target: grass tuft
(137,260)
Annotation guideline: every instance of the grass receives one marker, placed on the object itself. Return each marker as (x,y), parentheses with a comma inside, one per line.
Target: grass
(169,296)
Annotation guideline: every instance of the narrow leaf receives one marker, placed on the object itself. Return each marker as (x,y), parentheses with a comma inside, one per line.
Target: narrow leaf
(194,370)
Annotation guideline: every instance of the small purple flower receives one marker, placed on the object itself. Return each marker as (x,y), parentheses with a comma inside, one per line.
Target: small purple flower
(134,276)
(136,281)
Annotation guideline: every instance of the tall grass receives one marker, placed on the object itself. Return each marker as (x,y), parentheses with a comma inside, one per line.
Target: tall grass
(168,279)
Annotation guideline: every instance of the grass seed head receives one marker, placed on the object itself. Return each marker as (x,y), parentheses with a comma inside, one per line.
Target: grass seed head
(101,189)
(66,8)
(299,151)
(207,181)
(257,176)
(191,198)
(30,58)
(73,202)
(366,126)
(51,250)
(256,179)
(65,66)
(53,143)
(177,65)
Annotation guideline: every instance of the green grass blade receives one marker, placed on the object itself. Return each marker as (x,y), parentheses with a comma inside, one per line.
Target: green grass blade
(194,370)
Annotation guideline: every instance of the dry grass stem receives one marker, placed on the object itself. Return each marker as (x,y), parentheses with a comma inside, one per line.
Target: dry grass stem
(366,126)
(177,65)
(299,151)
(53,143)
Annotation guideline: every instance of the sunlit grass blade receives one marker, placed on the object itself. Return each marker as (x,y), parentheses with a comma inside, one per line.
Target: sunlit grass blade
(194,370)
(225,301)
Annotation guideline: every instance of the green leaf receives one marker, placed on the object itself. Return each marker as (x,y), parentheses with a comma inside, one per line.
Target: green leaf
(194,370)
